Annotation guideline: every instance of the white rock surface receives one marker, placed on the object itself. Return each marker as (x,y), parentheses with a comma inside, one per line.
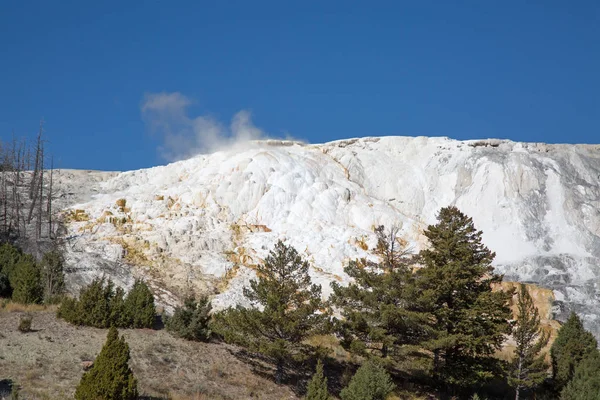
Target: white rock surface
(204,222)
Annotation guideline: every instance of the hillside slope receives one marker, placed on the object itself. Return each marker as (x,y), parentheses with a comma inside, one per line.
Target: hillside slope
(204,222)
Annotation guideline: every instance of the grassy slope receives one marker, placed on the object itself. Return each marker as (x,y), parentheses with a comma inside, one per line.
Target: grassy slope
(47,363)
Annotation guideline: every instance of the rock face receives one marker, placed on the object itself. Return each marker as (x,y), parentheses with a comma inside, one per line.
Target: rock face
(204,222)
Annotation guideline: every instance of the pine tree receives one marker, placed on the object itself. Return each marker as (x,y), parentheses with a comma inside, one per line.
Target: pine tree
(94,304)
(379,311)
(455,284)
(585,384)
(572,344)
(371,382)
(191,321)
(528,369)
(110,378)
(139,306)
(9,257)
(289,312)
(317,387)
(27,285)
(118,317)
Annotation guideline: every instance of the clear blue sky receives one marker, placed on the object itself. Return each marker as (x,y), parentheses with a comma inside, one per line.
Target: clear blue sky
(315,70)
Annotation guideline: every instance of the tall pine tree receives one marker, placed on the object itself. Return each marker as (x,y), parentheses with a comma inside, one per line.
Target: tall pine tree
(585,384)
(572,344)
(528,368)
(380,315)
(455,283)
(287,310)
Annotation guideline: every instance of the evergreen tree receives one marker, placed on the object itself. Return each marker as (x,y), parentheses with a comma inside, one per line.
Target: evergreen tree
(119,318)
(110,378)
(5,288)
(93,307)
(572,344)
(371,382)
(528,369)
(53,276)
(191,321)
(288,314)
(455,284)
(585,384)
(380,314)
(139,306)
(94,304)
(69,311)
(9,256)
(317,387)
(26,281)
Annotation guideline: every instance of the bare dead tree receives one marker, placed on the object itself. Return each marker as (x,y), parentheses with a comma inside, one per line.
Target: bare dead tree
(34,186)
(392,252)
(49,202)
(27,195)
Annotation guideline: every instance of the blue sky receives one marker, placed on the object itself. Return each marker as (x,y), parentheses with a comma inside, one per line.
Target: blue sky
(126,84)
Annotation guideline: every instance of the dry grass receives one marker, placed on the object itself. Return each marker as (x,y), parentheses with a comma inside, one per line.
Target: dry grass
(47,362)
(9,306)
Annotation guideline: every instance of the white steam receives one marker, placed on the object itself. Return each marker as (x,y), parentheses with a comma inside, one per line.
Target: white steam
(184,136)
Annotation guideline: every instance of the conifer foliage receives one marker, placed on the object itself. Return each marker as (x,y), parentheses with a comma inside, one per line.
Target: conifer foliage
(371,382)
(26,281)
(19,276)
(289,314)
(317,387)
(572,344)
(585,384)
(110,378)
(101,305)
(528,368)
(139,306)
(455,285)
(191,321)
(379,311)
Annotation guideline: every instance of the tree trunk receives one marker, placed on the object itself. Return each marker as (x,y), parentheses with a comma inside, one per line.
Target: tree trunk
(519,372)
(279,372)
(50,194)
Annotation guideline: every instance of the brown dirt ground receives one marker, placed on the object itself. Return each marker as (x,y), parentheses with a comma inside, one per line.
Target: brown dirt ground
(47,362)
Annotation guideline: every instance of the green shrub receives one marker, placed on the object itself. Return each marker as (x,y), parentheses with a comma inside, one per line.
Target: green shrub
(118,316)
(68,310)
(9,257)
(317,387)
(5,288)
(139,306)
(110,378)
(94,304)
(191,321)
(25,323)
(371,382)
(26,281)
(101,305)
